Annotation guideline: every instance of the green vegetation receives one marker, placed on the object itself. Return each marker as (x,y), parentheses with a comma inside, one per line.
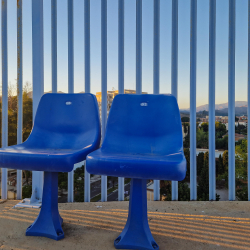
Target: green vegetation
(183,191)
(203,180)
(241,129)
(12,115)
(184,119)
(78,183)
(221,139)
(241,170)
(26,191)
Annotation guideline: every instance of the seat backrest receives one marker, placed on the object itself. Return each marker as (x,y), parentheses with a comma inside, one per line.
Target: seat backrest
(66,121)
(145,123)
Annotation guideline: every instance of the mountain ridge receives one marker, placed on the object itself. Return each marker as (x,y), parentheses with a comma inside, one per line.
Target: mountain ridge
(220,106)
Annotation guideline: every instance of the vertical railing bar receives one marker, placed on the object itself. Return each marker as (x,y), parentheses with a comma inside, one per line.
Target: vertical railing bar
(212,37)
(87,82)
(4,193)
(87,44)
(54,44)
(248,103)
(38,76)
(231,102)
(121,75)
(174,72)
(104,84)
(71,81)
(193,58)
(19,88)
(138,46)
(156,72)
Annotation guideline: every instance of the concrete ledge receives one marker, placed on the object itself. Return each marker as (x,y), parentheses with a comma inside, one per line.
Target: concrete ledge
(93,226)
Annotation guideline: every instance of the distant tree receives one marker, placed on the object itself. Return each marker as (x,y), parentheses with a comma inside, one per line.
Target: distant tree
(203,182)
(183,191)
(28,175)
(241,129)
(187,156)
(201,138)
(224,175)
(241,170)
(26,191)
(185,125)
(185,119)
(204,126)
(220,166)
(236,118)
(220,129)
(79,184)
(222,143)
(63,181)
(242,146)
(186,143)
(225,160)
(27,115)
(200,163)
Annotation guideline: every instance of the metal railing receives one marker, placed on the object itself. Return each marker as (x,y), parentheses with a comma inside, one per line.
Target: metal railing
(38,81)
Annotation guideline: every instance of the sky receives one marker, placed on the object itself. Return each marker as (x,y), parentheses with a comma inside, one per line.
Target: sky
(130,47)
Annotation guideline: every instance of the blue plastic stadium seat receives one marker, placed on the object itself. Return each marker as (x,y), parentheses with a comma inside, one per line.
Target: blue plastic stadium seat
(65,131)
(143,141)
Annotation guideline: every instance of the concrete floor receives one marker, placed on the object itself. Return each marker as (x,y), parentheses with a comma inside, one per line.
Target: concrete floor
(174,225)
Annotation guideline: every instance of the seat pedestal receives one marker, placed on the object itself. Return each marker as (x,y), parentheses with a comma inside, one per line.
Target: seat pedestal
(48,223)
(136,234)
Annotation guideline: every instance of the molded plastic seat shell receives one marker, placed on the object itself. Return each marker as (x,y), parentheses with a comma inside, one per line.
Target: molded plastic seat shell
(65,131)
(143,140)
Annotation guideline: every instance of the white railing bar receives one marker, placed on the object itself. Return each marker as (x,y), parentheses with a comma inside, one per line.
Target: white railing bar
(231,102)
(174,72)
(87,83)
(212,37)
(156,72)
(104,84)
(138,46)
(19,88)
(71,81)
(193,59)
(4,192)
(70,46)
(54,44)
(248,103)
(38,76)
(121,75)
(87,44)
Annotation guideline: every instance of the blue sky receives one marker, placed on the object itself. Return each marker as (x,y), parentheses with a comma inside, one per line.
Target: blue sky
(147,47)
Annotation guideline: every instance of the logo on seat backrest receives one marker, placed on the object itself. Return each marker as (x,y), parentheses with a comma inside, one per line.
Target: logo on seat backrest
(144,104)
(68,103)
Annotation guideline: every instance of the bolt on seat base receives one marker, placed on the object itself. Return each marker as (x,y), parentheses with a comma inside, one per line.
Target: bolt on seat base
(48,223)
(137,234)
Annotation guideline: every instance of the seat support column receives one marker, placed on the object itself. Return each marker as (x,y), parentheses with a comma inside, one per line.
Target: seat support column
(137,234)
(48,223)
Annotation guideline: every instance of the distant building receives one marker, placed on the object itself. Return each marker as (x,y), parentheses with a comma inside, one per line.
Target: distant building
(242,118)
(222,119)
